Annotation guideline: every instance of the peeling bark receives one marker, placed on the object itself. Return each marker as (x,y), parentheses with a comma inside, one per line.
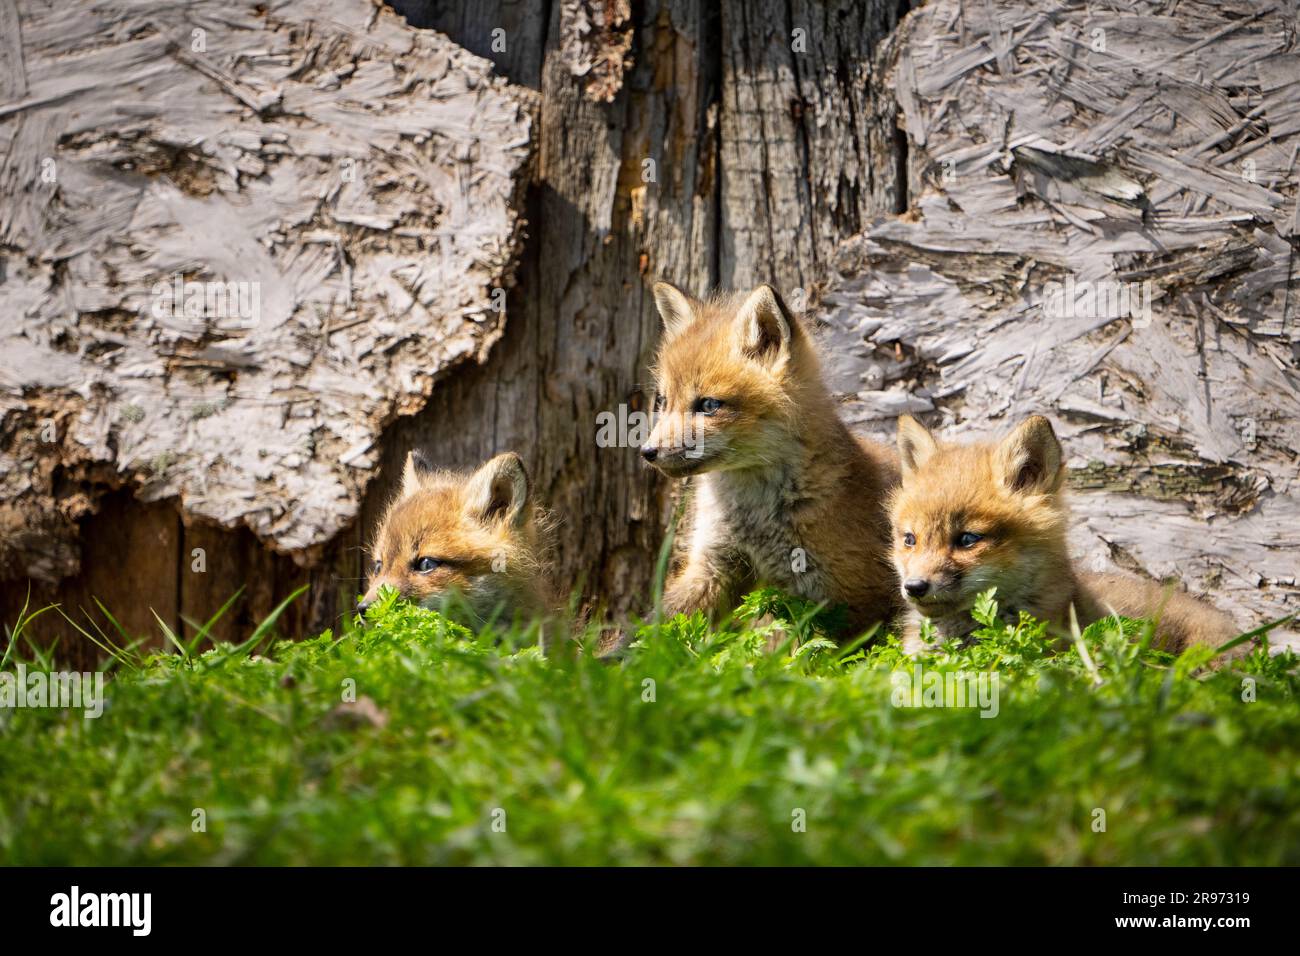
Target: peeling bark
(1024,155)
(694,173)
(1095,143)
(237,239)
(595,37)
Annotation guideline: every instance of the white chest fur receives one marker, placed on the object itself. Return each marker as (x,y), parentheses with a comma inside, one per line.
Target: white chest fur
(758,520)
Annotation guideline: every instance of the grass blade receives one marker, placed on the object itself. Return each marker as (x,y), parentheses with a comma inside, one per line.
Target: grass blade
(1077,636)
(122,656)
(245,649)
(1261,631)
(21,624)
(206,629)
(167,633)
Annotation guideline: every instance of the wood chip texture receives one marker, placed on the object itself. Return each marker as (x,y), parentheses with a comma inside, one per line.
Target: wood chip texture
(1101,147)
(236,240)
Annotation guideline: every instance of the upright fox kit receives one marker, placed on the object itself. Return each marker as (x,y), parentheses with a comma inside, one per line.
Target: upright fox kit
(465,544)
(783,494)
(968,518)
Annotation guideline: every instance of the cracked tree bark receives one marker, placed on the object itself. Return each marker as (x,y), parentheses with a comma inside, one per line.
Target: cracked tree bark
(736,152)
(699,151)
(1062,156)
(742,142)
(237,241)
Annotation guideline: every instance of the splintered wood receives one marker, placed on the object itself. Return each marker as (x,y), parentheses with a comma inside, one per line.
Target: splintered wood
(236,240)
(595,40)
(1104,230)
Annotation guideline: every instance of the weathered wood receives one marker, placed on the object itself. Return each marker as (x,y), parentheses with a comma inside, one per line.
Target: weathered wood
(595,38)
(809,153)
(354,185)
(222,567)
(1097,142)
(128,550)
(582,324)
(138,559)
(723,180)
(1027,156)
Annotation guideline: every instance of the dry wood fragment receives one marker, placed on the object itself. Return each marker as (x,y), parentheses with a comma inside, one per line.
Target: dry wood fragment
(356,182)
(1100,143)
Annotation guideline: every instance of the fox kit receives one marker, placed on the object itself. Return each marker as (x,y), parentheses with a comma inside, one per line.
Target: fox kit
(968,518)
(465,544)
(782,494)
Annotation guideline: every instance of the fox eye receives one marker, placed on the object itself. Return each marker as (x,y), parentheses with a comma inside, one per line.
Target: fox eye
(968,539)
(909,539)
(659,402)
(707,406)
(424,565)
(376,567)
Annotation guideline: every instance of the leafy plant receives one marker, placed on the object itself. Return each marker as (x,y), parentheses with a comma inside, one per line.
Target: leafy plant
(408,739)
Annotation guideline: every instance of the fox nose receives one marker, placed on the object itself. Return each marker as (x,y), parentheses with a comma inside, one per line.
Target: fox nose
(362,605)
(916,587)
(649,452)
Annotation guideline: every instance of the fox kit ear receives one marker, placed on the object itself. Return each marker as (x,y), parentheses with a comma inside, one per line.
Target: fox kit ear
(674,307)
(498,490)
(1029,459)
(915,444)
(766,325)
(417,466)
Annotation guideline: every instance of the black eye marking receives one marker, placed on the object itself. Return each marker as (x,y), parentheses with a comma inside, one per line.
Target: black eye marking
(659,402)
(377,566)
(707,406)
(968,539)
(909,539)
(424,565)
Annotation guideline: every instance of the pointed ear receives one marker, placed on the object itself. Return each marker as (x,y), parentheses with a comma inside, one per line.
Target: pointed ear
(915,444)
(498,490)
(417,466)
(1029,459)
(674,307)
(766,325)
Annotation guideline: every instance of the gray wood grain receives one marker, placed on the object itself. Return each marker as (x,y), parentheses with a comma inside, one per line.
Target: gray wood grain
(1160,150)
(362,178)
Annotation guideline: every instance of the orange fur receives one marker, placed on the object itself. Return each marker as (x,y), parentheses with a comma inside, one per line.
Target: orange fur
(775,473)
(482,533)
(1010,495)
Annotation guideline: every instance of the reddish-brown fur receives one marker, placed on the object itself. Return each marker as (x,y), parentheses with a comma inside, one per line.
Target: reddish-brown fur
(1011,495)
(480,530)
(782,493)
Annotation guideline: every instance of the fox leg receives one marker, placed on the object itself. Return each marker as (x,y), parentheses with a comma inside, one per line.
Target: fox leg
(708,583)
(913,644)
(699,586)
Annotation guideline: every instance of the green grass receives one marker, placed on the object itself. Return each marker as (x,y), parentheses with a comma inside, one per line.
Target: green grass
(699,747)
